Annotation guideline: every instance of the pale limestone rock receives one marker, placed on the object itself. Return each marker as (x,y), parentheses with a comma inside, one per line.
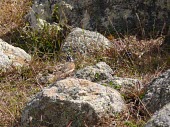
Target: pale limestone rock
(75,101)
(85,41)
(12,56)
(100,71)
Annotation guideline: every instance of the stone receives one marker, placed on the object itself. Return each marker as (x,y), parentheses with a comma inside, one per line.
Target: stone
(38,13)
(158,92)
(101,15)
(103,74)
(126,86)
(11,56)
(100,71)
(84,41)
(47,11)
(160,118)
(72,102)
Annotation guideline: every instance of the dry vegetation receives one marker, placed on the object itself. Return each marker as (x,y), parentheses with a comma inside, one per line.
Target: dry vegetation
(142,59)
(11,14)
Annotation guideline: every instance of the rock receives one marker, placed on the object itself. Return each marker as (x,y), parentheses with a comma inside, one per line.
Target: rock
(38,13)
(12,56)
(47,11)
(158,92)
(160,118)
(84,41)
(100,71)
(74,102)
(126,86)
(102,15)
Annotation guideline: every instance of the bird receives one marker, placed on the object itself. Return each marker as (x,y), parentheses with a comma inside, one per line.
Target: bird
(58,72)
(68,67)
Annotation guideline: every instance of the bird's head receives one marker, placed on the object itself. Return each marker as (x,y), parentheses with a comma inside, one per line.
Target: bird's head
(69,58)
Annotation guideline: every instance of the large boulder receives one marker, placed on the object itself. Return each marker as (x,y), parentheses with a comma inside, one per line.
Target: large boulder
(160,118)
(158,92)
(72,102)
(102,15)
(11,56)
(85,41)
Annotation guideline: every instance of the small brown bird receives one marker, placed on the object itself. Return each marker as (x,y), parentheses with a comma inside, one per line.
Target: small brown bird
(66,69)
(69,66)
(58,72)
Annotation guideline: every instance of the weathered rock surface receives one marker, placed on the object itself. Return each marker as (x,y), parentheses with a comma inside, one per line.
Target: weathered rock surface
(102,15)
(98,72)
(74,102)
(160,118)
(85,41)
(158,92)
(12,56)
(47,11)
(103,74)
(127,86)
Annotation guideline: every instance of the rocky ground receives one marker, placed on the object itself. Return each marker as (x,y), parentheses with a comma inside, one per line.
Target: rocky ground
(84,64)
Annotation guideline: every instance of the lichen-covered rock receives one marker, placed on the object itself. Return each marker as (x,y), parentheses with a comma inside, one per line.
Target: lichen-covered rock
(100,71)
(40,11)
(73,102)
(158,92)
(47,11)
(106,15)
(85,41)
(127,86)
(12,56)
(160,118)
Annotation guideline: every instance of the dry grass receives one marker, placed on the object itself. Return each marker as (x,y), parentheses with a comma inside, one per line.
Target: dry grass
(130,57)
(16,87)
(138,57)
(11,14)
